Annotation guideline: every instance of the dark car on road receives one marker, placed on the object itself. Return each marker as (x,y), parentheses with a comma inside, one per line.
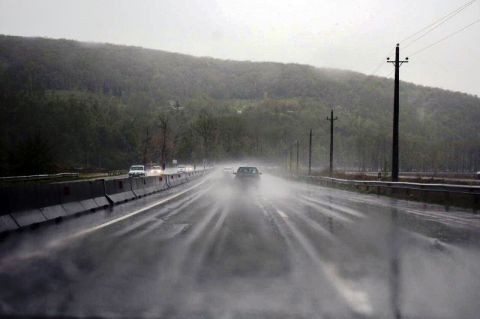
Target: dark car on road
(247,174)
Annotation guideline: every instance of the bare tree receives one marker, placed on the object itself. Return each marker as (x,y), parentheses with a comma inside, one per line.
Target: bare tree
(205,126)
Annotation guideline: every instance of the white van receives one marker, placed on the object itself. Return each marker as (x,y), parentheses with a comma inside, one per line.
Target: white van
(136,171)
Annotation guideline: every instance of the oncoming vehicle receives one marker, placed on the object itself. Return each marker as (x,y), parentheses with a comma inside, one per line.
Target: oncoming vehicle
(228,170)
(136,171)
(155,170)
(181,169)
(247,174)
(184,168)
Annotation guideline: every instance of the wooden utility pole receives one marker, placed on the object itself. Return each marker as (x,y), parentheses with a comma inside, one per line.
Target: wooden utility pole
(291,158)
(145,149)
(331,119)
(396,111)
(298,146)
(164,127)
(310,154)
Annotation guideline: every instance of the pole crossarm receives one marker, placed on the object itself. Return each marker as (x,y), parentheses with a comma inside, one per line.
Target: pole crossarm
(397,60)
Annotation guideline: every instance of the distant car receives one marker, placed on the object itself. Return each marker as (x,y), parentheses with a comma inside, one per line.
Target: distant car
(228,170)
(137,171)
(478,175)
(181,169)
(155,171)
(247,174)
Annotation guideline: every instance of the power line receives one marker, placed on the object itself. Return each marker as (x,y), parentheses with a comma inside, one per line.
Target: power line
(425,31)
(445,19)
(445,38)
(382,63)
(422,33)
(435,24)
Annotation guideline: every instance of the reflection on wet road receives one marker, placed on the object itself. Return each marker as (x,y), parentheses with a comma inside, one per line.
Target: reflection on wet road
(276,250)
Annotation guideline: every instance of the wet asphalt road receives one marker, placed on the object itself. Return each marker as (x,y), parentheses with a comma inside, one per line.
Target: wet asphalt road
(221,250)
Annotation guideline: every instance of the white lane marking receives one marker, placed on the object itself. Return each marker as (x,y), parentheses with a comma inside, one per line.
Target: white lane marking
(136,212)
(357,298)
(57,242)
(332,206)
(309,221)
(330,213)
(281,213)
(143,223)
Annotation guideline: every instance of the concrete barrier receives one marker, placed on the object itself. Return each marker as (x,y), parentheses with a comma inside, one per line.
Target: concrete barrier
(4,201)
(161,183)
(49,201)
(97,188)
(27,205)
(79,197)
(139,186)
(176,179)
(152,184)
(24,212)
(195,174)
(119,190)
(170,180)
(63,199)
(7,223)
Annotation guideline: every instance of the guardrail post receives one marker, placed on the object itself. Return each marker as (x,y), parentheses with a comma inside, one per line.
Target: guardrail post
(475,202)
(447,198)
(425,195)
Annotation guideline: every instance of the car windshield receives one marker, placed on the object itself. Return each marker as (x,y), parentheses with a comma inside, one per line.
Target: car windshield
(362,116)
(247,170)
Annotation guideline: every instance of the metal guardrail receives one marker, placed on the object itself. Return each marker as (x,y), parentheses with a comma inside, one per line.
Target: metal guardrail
(38,177)
(117,172)
(447,188)
(467,175)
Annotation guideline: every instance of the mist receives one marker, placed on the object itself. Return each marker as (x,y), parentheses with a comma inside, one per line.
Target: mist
(220,159)
(231,249)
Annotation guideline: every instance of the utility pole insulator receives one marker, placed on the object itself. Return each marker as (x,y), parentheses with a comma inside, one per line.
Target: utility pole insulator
(396,111)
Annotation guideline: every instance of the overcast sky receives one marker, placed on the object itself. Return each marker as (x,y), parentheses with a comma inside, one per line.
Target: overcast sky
(347,34)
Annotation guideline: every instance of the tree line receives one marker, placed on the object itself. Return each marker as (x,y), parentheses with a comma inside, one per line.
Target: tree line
(67,105)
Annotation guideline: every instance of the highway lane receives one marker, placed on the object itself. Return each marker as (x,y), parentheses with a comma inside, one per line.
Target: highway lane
(279,250)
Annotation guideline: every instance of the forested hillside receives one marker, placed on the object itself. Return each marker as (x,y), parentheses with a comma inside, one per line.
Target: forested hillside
(68,104)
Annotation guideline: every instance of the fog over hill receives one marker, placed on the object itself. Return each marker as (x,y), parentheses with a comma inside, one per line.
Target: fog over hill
(71,104)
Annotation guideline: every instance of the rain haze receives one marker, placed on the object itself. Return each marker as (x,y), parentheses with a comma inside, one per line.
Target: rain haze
(345,34)
(240,159)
